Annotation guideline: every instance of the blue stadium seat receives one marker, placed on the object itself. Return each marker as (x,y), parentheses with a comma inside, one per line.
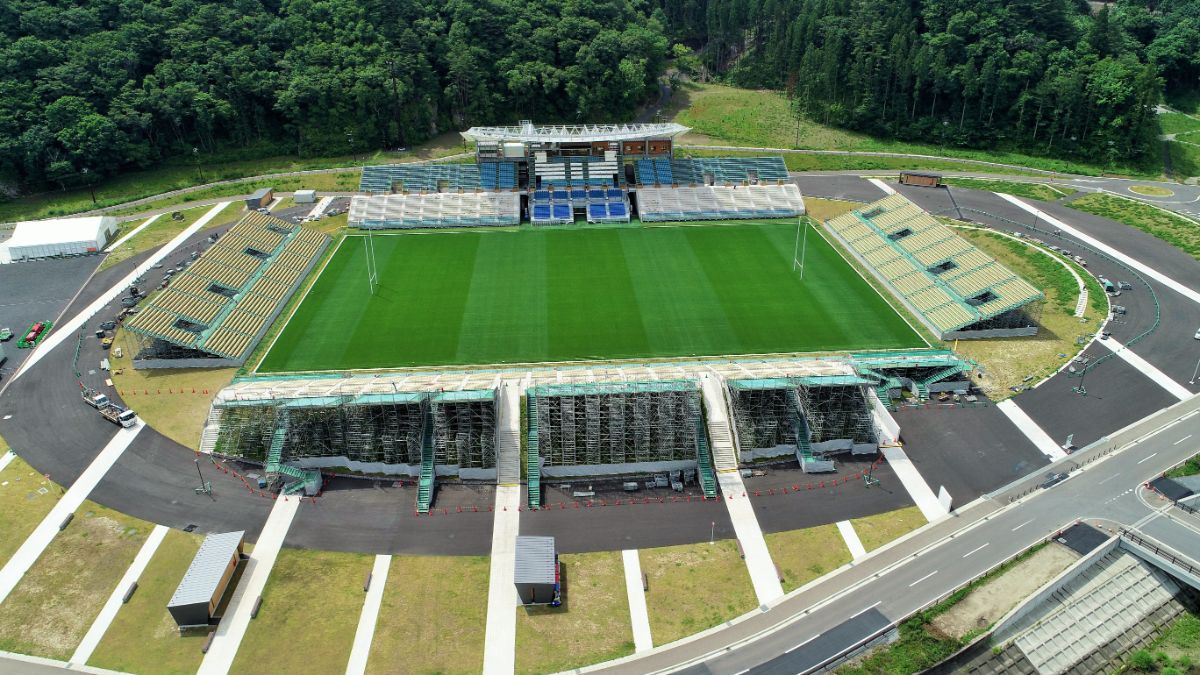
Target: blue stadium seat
(578,194)
(562,212)
(597,211)
(559,195)
(616,208)
(596,194)
(541,195)
(616,194)
(541,212)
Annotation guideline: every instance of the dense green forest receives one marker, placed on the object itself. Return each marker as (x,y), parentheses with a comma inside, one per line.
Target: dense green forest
(1046,76)
(112,85)
(106,85)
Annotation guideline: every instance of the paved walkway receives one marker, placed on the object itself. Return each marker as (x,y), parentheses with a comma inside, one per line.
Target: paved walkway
(637,601)
(857,550)
(1101,246)
(370,614)
(92,638)
(36,543)
(1032,431)
(233,626)
(133,232)
(914,483)
(320,207)
(67,330)
(763,574)
(500,636)
(882,185)
(7,459)
(1146,368)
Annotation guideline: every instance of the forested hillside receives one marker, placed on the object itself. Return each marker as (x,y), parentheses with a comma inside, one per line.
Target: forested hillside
(114,84)
(1047,76)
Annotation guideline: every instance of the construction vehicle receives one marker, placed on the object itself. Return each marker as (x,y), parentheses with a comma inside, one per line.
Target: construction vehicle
(109,410)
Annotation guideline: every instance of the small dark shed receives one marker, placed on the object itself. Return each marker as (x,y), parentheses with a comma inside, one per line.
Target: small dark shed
(536,575)
(260,198)
(920,179)
(204,584)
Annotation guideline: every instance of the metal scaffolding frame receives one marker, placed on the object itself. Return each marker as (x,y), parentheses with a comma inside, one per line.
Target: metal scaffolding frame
(766,411)
(369,428)
(616,422)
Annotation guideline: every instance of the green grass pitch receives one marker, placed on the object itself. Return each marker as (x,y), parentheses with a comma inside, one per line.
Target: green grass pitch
(524,296)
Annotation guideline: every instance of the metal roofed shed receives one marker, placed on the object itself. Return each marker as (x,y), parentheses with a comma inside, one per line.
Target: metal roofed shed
(58,237)
(260,198)
(537,573)
(207,579)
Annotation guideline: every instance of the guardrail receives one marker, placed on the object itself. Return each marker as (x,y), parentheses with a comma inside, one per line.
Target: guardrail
(1165,553)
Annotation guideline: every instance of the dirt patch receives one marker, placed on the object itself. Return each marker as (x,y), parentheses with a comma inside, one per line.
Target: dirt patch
(986,604)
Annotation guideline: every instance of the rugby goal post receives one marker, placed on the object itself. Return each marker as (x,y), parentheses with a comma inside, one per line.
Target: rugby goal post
(801,248)
(372,269)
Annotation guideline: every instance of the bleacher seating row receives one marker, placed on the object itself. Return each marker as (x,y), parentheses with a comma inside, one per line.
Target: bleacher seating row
(719,202)
(949,281)
(608,212)
(436,210)
(578,172)
(578,195)
(557,213)
(390,178)
(223,301)
(722,170)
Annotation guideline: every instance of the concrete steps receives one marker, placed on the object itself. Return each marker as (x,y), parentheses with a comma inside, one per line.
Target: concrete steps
(720,437)
(508,434)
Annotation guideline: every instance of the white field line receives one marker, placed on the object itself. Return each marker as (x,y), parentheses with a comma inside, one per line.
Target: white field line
(1109,250)
(638,614)
(92,639)
(857,550)
(67,329)
(40,538)
(132,232)
(1146,368)
(1040,439)
(365,633)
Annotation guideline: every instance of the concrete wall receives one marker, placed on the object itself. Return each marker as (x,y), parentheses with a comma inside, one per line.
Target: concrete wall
(990,333)
(889,429)
(151,364)
(767,453)
(410,470)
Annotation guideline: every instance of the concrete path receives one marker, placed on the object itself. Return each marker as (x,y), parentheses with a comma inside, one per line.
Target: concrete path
(132,232)
(233,626)
(7,459)
(1031,430)
(637,601)
(763,575)
(67,330)
(92,638)
(914,483)
(31,550)
(321,206)
(882,185)
(370,614)
(846,528)
(1101,246)
(1146,368)
(500,636)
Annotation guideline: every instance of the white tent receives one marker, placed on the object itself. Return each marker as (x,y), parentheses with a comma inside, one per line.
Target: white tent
(61,236)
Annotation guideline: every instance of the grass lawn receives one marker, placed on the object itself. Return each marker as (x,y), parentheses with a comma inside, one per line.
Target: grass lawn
(57,600)
(309,614)
(1176,123)
(695,587)
(593,624)
(1176,230)
(433,616)
(1188,468)
(25,498)
(343,181)
(1042,191)
(176,404)
(163,230)
(143,638)
(1185,156)
(877,530)
(1151,190)
(804,555)
(181,172)
(720,115)
(1180,643)
(1009,361)
(580,294)
(847,162)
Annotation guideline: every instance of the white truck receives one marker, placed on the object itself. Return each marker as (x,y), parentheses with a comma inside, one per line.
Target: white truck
(109,410)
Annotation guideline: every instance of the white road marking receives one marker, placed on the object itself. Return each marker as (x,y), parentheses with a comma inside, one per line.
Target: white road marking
(1096,243)
(1144,367)
(868,608)
(882,185)
(914,483)
(1182,439)
(6,459)
(1032,431)
(789,651)
(976,550)
(132,232)
(1022,525)
(1115,475)
(922,579)
(1147,457)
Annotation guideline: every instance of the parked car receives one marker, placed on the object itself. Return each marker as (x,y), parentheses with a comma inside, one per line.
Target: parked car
(108,325)
(1053,479)
(5,334)
(1125,285)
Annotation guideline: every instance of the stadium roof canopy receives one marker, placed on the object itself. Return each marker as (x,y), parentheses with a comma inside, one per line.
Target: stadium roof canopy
(225,300)
(942,277)
(574,133)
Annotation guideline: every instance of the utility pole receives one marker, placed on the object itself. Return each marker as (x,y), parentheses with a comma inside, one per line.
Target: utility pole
(91,188)
(196,157)
(391,63)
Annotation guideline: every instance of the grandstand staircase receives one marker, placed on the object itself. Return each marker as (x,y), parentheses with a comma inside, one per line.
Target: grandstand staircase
(704,463)
(922,385)
(212,431)
(723,452)
(508,435)
(809,462)
(426,483)
(533,469)
(308,482)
